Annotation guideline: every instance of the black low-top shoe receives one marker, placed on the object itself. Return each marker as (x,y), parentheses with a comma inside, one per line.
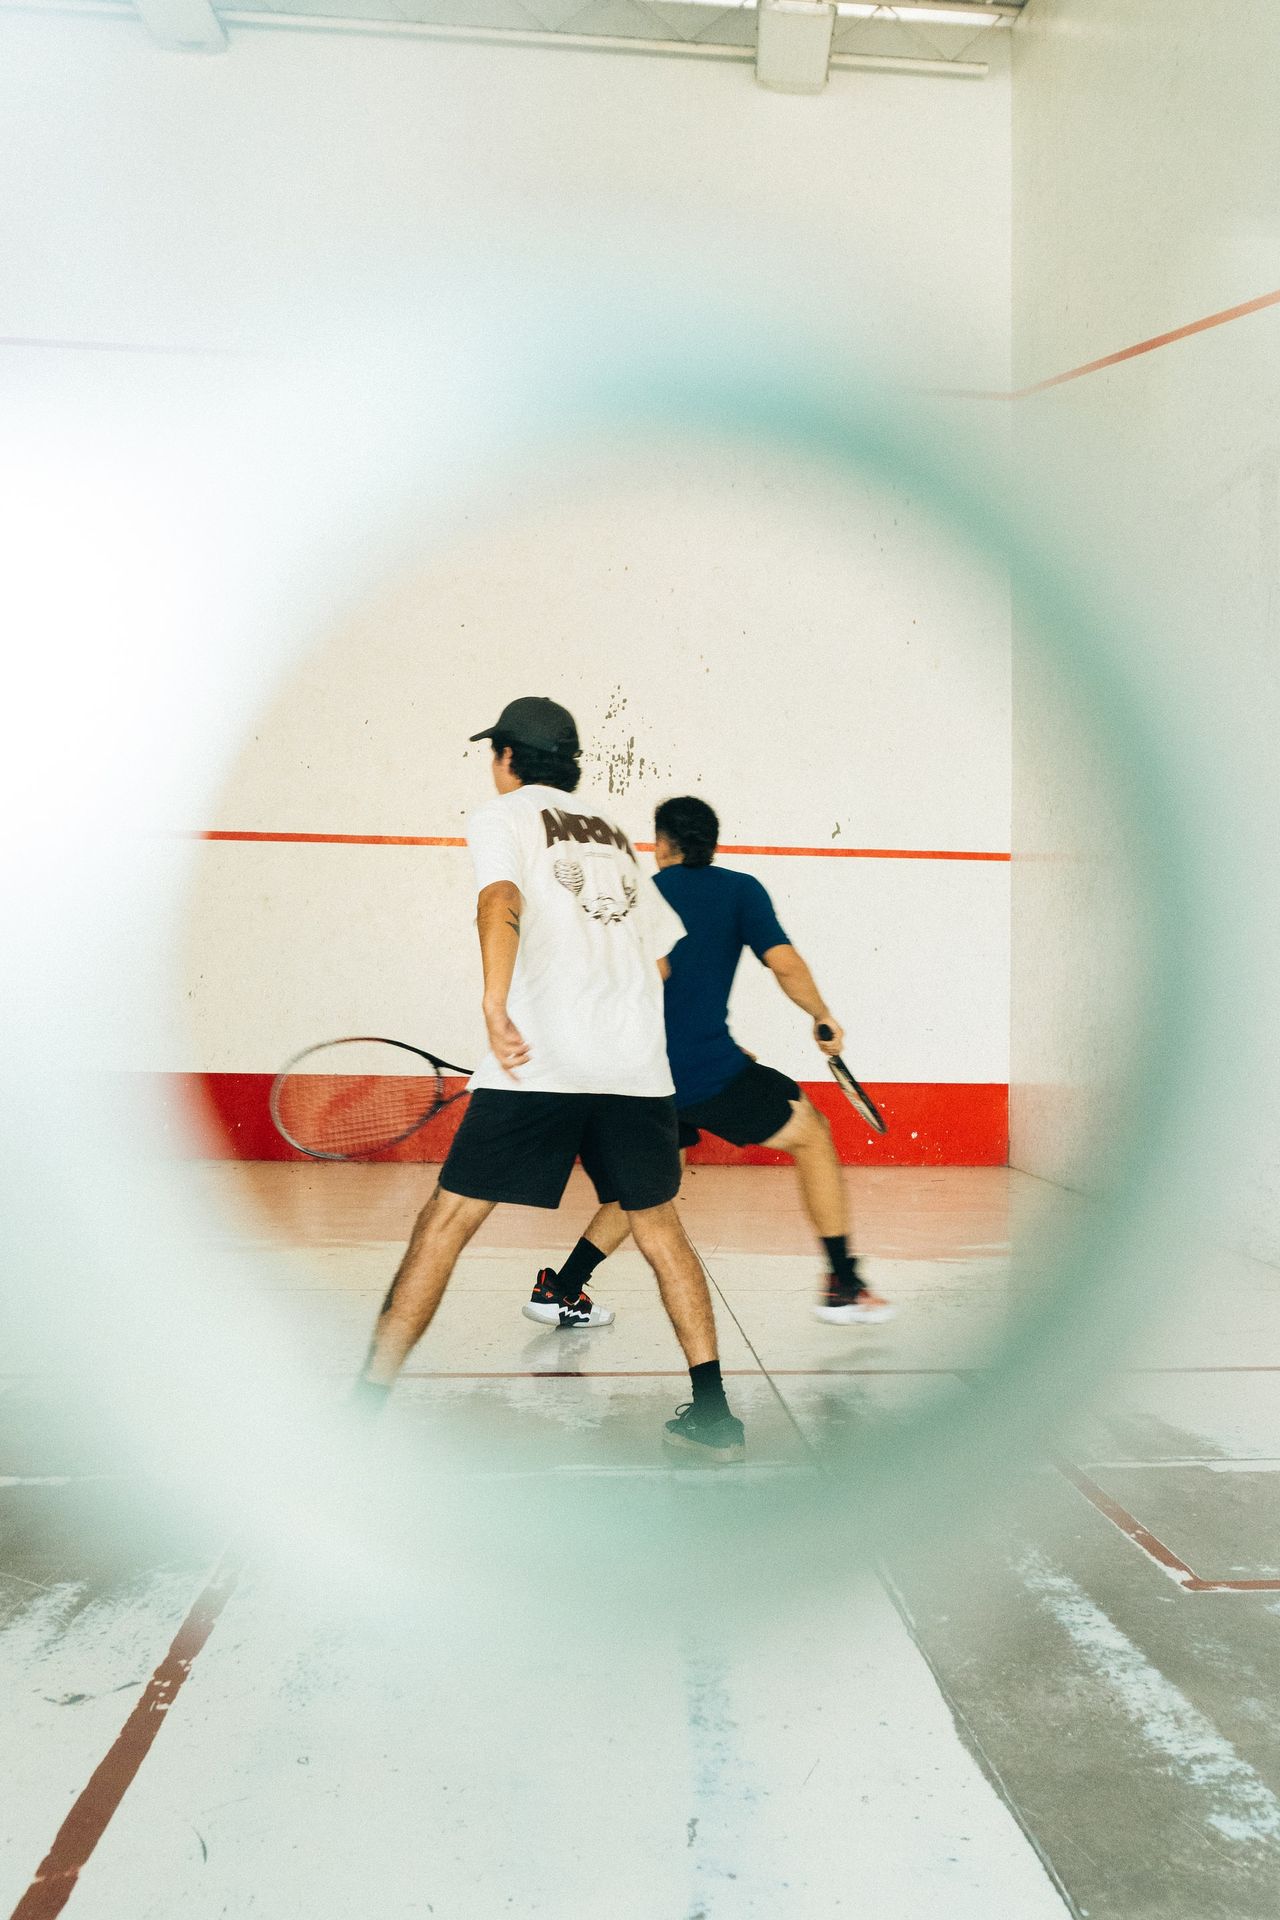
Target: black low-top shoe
(717,1436)
(548,1307)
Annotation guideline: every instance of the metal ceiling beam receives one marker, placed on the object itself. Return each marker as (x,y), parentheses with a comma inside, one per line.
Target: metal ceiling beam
(325,24)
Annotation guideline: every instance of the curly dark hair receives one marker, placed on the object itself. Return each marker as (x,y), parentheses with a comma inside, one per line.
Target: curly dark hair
(536,767)
(691,825)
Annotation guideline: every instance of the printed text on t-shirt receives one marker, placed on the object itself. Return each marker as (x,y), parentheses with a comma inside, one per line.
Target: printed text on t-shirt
(583,827)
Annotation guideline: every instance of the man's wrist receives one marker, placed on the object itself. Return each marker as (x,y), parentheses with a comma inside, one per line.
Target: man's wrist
(493,1006)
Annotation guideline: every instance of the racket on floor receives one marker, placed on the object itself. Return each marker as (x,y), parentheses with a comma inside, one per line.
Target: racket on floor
(351,1099)
(857,1096)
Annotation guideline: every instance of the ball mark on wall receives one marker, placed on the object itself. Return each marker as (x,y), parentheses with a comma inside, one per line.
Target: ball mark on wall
(620,766)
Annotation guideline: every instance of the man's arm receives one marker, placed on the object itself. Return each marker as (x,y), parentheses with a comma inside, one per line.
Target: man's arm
(793,976)
(498,912)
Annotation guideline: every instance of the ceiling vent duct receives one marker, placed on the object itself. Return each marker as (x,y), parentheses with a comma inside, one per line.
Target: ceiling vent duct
(793,44)
(184,26)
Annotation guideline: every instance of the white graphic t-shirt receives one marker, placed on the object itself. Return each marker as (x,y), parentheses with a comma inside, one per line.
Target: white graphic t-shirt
(586,993)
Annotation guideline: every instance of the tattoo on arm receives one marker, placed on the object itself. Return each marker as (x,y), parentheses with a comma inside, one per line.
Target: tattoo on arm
(513,921)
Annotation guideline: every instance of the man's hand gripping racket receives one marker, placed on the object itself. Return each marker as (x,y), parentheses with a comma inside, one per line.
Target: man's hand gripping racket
(858,1097)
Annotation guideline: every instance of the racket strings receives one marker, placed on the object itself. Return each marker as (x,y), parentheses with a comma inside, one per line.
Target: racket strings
(347,1115)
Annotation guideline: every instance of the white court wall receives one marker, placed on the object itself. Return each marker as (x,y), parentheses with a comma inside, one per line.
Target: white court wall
(822,666)
(824,686)
(242,198)
(1146,155)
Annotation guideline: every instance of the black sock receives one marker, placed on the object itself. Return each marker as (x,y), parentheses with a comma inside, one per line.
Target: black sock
(708,1388)
(577,1270)
(844,1265)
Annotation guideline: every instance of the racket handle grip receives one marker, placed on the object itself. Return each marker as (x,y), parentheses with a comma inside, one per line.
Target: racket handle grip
(824,1031)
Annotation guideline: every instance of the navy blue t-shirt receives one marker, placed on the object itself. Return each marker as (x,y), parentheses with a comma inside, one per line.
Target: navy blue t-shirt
(723,913)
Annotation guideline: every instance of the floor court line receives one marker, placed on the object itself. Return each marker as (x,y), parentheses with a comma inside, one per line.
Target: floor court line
(774,1388)
(1150,1544)
(746,1373)
(57,1876)
(1215,1463)
(1200,1369)
(678,1373)
(637,1373)
(92,1812)
(586,1470)
(976,1745)
(898,1603)
(674,1373)
(55,1479)
(55,1879)
(182,349)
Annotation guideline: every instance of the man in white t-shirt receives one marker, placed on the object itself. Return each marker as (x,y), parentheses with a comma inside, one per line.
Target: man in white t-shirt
(573,940)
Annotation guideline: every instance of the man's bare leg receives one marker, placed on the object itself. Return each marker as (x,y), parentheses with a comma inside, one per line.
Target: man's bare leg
(807,1138)
(662,1240)
(440,1232)
(705,1427)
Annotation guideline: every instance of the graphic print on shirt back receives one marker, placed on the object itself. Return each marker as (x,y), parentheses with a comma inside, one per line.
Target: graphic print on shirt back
(601,885)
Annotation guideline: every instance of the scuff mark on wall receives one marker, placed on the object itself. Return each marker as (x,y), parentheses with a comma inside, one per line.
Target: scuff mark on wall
(616,761)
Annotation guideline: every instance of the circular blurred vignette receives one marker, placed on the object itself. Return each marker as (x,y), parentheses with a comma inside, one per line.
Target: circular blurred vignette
(143,1291)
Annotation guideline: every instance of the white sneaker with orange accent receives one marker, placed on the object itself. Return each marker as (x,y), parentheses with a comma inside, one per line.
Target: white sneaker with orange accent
(840,1308)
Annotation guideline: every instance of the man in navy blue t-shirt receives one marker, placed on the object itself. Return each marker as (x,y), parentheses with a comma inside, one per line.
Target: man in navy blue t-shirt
(720,1088)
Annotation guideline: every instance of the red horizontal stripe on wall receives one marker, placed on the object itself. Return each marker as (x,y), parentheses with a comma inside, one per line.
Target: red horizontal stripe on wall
(645,846)
(1139,347)
(334,839)
(224,1116)
(862,853)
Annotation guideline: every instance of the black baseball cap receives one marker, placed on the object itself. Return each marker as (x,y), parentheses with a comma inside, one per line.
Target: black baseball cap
(535,722)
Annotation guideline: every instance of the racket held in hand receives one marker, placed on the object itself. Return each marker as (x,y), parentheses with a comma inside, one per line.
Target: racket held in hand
(857,1096)
(351,1099)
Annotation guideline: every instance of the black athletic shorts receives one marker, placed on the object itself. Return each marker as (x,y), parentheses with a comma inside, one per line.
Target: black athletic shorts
(754,1106)
(520,1148)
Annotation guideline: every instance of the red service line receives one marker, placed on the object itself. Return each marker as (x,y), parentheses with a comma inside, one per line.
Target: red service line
(335,839)
(645,846)
(857,853)
(1192,327)
(84,1826)
(1244,307)
(1210,320)
(1149,1543)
